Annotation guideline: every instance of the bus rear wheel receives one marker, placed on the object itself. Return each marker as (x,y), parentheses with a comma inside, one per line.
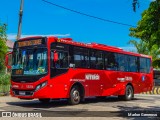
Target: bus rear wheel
(44,100)
(129,93)
(74,96)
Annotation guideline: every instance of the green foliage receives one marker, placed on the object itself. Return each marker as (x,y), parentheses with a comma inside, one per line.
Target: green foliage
(2,66)
(148,31)
(140,46)
(144,48)
(4,79)
(148,28)
(4,84)
(3,47)
(156,63)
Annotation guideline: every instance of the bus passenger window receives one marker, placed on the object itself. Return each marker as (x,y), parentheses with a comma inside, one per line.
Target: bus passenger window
(81,57)
(96,60)
(122,61)
(63,59)
(110,61)
(145,64)
(99,63)
(133,64)
(92,60)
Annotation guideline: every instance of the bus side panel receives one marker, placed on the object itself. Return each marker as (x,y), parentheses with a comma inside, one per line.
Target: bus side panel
(128,78)
(145,83)
(90,80)
(59,86)
(119,81)
(109,83)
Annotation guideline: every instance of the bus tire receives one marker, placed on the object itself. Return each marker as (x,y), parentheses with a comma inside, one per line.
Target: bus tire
(75,97)
(129,93)
(44,100)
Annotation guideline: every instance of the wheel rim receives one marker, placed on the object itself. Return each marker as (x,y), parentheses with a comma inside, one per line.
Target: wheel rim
(75,96)
(129,93)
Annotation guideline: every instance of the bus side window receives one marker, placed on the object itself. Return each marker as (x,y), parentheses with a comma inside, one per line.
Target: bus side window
(99,61)
(110,61)
(148,62)
(122,61)
(63,61)
(145,64)
(133,64)
(96,59)
(92,59)
(81,57)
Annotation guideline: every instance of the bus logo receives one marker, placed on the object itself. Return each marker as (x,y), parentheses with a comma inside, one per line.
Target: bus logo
(143,78)
(92,77)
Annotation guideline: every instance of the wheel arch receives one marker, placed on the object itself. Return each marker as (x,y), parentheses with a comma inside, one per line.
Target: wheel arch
(81,88)
(130,85)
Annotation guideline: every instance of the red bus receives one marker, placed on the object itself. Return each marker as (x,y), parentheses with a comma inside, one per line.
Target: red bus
(53,68)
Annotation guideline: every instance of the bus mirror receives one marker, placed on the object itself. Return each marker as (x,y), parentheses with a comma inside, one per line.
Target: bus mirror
(8,58)
(55,56)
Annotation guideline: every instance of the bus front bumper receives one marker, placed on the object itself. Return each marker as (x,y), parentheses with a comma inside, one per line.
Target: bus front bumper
(38,92)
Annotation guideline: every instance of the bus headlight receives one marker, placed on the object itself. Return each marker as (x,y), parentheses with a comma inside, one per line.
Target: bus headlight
(44,84)
(38,87)
(41,85)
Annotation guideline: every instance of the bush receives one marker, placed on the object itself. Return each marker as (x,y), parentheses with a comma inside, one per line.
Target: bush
(2,66)
(4,79)
(4,83)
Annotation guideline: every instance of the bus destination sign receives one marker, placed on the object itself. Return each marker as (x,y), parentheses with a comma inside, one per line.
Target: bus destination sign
(18,71)
(30,43)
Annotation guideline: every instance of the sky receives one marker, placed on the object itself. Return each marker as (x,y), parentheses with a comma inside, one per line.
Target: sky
(40,18)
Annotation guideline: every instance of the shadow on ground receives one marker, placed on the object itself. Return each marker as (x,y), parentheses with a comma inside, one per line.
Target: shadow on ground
(59,108)
(64,102)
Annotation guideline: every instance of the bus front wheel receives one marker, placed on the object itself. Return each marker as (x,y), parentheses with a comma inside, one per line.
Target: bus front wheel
(74,96)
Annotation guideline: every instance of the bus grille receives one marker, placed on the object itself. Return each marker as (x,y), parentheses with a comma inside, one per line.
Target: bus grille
(22,93)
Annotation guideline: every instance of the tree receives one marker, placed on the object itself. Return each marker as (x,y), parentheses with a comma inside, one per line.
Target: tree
(3,47)
(148,28)
(148,31)
(140,46)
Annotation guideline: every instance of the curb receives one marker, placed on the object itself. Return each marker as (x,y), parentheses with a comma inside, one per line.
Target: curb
(155,91)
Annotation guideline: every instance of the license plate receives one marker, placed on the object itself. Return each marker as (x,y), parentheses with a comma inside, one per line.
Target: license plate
(22,93)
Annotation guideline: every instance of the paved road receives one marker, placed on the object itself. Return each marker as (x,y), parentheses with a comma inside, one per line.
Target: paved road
(111,106)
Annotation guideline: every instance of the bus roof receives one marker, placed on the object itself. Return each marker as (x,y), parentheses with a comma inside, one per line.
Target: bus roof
(99,47)
(89,45)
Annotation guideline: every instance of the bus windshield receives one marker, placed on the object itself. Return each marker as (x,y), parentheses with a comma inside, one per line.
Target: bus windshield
(29,61)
